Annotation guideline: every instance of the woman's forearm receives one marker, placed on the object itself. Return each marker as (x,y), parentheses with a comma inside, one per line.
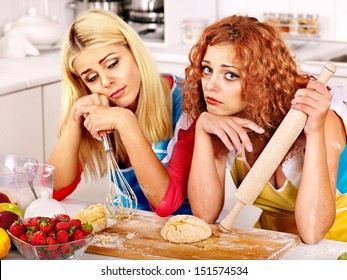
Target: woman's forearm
(65,154)
(150,172)
(315,206)
(205,190)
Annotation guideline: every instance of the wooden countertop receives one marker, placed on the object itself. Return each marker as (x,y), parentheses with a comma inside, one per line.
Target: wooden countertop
(325,250)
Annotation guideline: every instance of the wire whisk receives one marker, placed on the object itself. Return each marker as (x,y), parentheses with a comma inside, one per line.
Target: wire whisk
(121,201)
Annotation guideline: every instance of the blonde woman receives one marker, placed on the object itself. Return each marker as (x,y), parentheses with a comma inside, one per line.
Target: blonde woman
(112,84)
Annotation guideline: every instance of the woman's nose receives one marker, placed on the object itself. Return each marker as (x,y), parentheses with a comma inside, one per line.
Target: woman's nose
(212,84)
(107,81)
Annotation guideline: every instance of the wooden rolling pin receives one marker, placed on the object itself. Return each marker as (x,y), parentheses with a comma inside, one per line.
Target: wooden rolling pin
(271,157)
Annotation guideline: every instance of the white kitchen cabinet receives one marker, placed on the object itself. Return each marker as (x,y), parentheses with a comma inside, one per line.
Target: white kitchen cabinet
(52,111)
(21,123)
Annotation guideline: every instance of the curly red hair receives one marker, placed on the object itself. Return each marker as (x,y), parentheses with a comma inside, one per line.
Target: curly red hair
(268,72)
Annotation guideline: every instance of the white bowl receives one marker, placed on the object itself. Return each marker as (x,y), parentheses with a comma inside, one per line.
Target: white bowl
(45,206)
(39,30)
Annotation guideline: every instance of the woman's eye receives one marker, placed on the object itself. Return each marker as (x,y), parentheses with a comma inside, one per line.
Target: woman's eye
(91,78)
(112,64)
(231,76)
(206,70)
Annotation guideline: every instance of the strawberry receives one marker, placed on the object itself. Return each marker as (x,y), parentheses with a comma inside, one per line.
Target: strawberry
(61,218)
(52,234)
(53,244)
(77,234)
(24,237)
(27,222)
(42,255)
(62,236)
(35,222)
(78,237)
(86,228)
(76,223)
(38,239)
(65,248)
(17,228)
(62,225)
(30,231)
(53,255)
(46,225)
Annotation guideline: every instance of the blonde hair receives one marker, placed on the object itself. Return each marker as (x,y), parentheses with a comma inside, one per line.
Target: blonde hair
(98,28)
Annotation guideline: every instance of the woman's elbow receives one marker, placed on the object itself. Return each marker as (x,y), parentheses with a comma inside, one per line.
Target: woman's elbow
(312,235)
(311,238)
(206,215)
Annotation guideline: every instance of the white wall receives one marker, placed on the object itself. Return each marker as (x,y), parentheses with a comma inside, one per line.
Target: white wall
(178,10)
(332,13)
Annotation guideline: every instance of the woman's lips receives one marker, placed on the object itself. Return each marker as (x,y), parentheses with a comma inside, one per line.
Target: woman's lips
(212,101)
(117,93)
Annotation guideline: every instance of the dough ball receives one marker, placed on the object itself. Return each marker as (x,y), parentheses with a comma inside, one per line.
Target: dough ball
(185,229)
(95,215)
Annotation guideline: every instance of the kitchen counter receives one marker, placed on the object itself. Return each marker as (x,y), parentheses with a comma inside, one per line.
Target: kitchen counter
(325,250)
(22,73)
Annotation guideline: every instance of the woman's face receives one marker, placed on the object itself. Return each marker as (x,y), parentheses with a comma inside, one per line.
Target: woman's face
(111,71)
(220,81)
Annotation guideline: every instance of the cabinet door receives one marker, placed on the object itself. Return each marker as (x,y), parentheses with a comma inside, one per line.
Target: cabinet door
(21,124)
(52,112)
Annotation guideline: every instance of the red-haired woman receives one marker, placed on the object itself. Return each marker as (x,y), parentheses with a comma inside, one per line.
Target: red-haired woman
(241,82)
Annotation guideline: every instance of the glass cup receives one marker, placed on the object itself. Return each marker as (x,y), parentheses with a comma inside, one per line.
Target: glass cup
(31,180)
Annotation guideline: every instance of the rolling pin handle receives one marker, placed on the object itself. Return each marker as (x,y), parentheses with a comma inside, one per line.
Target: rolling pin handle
(327,72)
(229,220)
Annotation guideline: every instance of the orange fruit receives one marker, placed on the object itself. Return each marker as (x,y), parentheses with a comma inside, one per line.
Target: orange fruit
(5,243)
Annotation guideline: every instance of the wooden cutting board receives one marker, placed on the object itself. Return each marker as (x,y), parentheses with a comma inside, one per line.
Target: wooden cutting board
(139,238)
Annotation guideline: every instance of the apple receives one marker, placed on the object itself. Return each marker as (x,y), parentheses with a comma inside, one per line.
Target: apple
(11,207)
(7,218)
(4,198)
(343,256)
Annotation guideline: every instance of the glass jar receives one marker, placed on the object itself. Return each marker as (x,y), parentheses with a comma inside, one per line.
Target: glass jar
(192,29)
(313,21)
(294,24)
(284,22)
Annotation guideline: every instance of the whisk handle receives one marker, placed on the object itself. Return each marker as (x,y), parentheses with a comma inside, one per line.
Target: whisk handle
(106,141)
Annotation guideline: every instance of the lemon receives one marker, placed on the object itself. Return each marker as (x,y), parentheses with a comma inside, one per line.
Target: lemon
(5,243)
(343,256)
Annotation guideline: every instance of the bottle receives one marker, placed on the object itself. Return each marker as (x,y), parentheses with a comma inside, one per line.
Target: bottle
(313,21)
(294,25)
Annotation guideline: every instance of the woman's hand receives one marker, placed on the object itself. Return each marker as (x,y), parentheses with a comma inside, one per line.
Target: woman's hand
(231,130)
(89,107)
(87,103)
(314,101)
